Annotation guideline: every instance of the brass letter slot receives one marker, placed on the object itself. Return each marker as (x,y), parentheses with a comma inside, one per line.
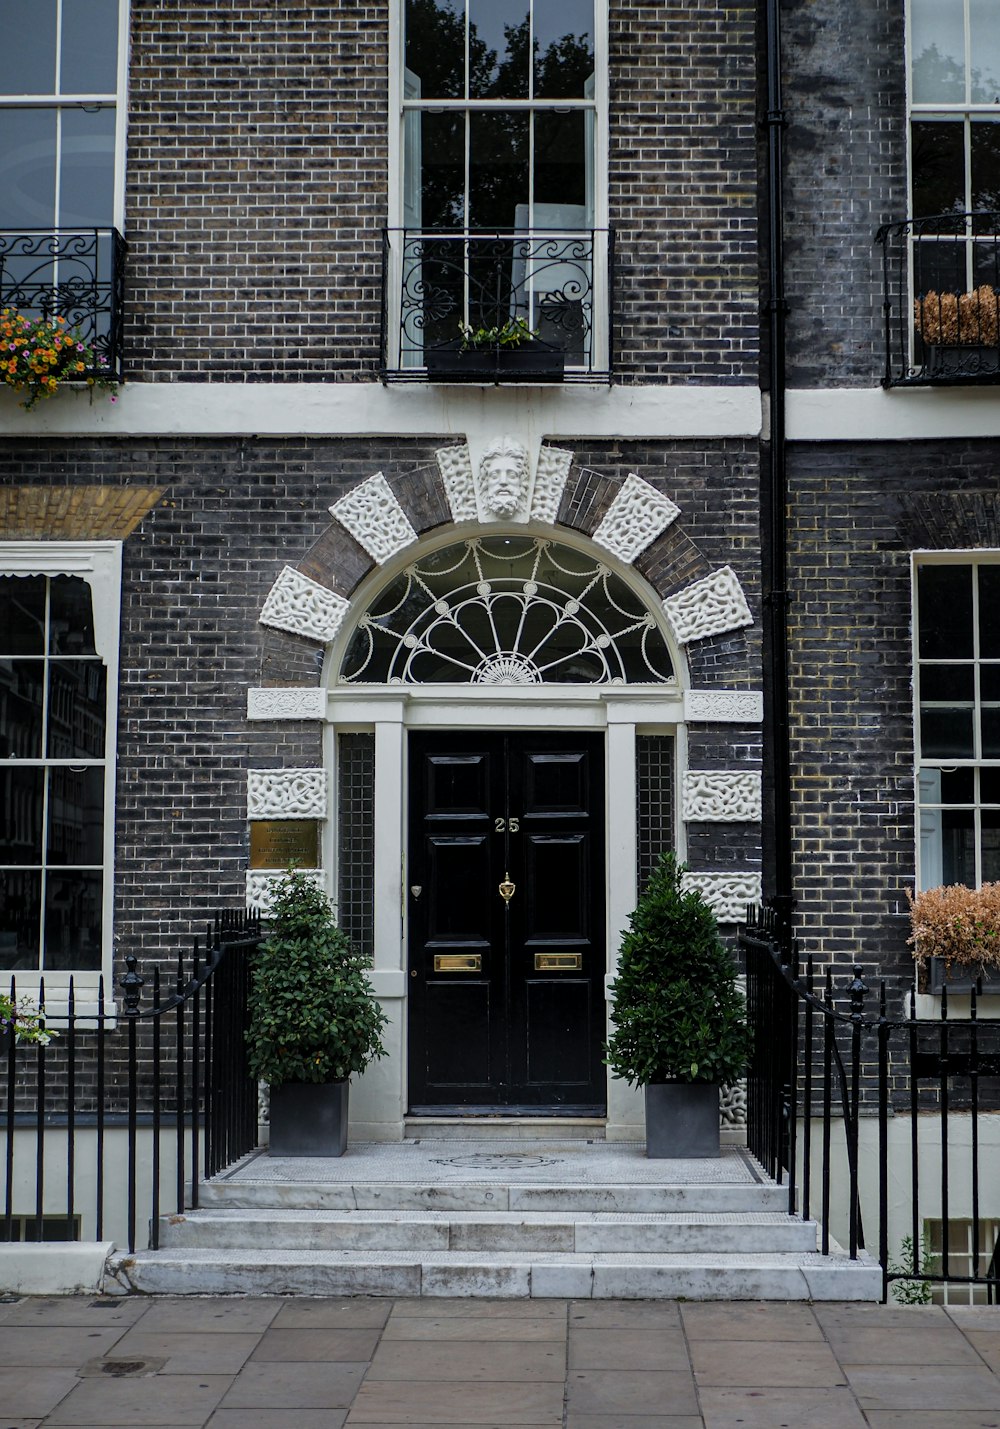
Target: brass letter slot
(458,962)
(549,962)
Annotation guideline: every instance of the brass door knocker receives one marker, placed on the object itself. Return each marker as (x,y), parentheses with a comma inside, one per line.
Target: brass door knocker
(507,890)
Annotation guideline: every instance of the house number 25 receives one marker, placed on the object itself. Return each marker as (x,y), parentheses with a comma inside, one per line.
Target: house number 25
(512,826)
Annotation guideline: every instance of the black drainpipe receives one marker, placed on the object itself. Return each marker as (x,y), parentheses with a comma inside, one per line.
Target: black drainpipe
(777,754)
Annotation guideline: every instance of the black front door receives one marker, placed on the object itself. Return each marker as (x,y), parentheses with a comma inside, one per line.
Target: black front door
(506,994)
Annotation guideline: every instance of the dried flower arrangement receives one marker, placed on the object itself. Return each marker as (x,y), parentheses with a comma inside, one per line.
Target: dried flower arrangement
(953,319)
(959,924)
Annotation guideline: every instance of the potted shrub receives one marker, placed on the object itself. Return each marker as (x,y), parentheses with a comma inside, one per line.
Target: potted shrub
(40,355)
(509,352)
(680,1025)
(961,332)
(955,934)
(313,1021)
(22,1020)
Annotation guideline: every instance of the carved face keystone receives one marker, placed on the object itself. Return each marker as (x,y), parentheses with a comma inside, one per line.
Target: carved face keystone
(503,478)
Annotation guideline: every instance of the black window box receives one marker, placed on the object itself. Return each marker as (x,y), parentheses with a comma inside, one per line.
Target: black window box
(960,980)
(530,362)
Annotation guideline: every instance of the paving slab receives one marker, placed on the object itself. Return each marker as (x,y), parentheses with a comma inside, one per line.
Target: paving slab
(55,1346)
(103,1311)
(883,1317)
(170,1400)
(351,1312)
(986,1344)
(479,1309)
(473,1327)
(940,1387)
(728,1321)
(505,1404)
(206,1316)
(634,1421)
(277,1419)
(294,1386)
(34,1395)
(778,1364)
(733,1408)
(935,1419)
(937,1344)
(630,1392)
(628,1348)
(331,1346)
(468,1360)
(188,1351)
(614,1313)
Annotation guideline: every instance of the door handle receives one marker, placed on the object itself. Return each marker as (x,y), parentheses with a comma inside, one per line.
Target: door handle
(506,890)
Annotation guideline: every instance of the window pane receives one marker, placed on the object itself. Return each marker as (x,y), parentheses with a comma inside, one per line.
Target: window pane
(945,599)
(20,919)
(563,48)
(938,45)
(989,612)
(957,786)
(71,617)
(89,47)
(21,687)
(76,815)
(87,194)
(958,863)
(946,733)
(498,169)
(73,920)
(498,49)
(938,167)
(442,173)
(989,786)
(951,684)
(984,24)
(989,694)
(435,49)
(991,845)
(77,709)
(985,140)
(28,51)
(22,615)
(27,168)
(21,812)
(561,166)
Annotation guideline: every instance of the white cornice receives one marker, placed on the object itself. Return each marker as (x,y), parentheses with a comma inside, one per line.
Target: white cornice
(858,414)
(367,409)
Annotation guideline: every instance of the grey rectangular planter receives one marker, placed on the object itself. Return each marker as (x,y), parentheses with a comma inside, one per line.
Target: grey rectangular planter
(309,1119)
(682,1119)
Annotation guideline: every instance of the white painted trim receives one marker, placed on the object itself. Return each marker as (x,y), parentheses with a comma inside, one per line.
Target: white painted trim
(904,414)
(619,823)
(389,805)
(367,409)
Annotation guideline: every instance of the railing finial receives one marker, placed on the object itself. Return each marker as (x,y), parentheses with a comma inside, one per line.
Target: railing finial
(131,985)
(857,992)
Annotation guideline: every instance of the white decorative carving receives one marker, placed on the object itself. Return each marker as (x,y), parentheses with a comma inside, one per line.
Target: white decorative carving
(455,465)
(733,1105)
(375,518)
(263,1104)
(727,894)
(551,475)
(724,706)
(503,481)
(638,514)
(711,606)
(286,794)
(303,607)
(297,702)
(721,796)
(262,884)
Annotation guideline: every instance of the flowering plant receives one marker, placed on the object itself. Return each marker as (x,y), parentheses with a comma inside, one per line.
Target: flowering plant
(25,1019)
(959,924)
(38,354)
(513,332)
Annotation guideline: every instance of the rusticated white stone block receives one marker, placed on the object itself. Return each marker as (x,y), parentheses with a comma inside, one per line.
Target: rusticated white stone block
(262,884)
(717,796)
(551,475)
(306,702)
(711,606)
(375,518)
(455,466)
(638,514)
(303,607)
(727,894)
(286,794)
(733,1105)
(724,706)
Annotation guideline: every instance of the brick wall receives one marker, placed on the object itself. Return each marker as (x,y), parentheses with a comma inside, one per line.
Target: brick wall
(257,186)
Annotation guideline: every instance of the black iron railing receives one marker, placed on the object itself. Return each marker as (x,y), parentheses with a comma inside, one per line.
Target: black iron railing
(941,298)
(557,285)
(150,1097)
(76,274)
(844,1107)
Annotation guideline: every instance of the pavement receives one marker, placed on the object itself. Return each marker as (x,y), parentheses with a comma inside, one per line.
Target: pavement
(296,1363)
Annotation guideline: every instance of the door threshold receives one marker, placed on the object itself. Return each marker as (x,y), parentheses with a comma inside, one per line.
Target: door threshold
(485,1126)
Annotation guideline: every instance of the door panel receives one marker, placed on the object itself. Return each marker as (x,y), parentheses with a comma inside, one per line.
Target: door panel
(506,1006)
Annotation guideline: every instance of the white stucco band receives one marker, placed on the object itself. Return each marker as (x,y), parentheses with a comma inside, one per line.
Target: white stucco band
(301,702)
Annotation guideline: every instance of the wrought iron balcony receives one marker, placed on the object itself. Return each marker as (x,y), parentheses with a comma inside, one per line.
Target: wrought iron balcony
(942,299)
(74,273)
(558,285)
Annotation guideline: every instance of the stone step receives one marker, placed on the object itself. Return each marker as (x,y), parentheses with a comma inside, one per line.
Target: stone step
(469,1231)
(631,1198)
(503,1128)
(507,1275)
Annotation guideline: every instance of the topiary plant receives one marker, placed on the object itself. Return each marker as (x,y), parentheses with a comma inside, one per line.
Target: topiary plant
(678,1013)
(313,1017)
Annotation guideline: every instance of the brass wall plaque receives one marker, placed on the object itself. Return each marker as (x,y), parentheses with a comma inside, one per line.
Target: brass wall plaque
(458,962)
(551,962)
(275,843)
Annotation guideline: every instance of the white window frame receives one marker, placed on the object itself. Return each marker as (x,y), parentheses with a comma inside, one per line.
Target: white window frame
(99,563)
(399,104)
(117,100)
(928,832)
